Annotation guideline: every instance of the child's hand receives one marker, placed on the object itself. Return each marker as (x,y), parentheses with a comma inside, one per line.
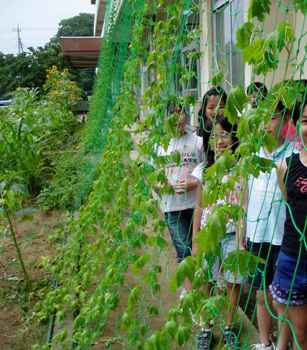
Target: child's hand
(180,186)
(185,184)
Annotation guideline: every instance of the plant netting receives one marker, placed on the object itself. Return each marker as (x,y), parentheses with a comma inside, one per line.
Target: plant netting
(115,256)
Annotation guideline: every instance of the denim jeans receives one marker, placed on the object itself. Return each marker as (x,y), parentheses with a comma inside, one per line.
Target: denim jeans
(289,285)
(180,225)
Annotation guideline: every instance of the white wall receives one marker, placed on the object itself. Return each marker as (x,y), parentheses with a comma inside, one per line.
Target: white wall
(277,15)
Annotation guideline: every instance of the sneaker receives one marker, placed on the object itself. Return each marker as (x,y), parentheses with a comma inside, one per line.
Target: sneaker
(231,339)
(261,346)
(183,293)
(205,339)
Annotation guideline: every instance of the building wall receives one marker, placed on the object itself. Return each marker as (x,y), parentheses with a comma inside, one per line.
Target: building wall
(276,16)
(206,45)
(300,25)
(270,24)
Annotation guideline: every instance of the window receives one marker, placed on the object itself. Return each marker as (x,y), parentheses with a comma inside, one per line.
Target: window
(188,60)
(228,16)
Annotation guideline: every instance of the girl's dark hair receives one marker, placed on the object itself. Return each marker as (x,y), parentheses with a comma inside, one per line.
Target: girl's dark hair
(297,110)
(172,106)
(202,118)
(230,128)
(256,86)
(204,123)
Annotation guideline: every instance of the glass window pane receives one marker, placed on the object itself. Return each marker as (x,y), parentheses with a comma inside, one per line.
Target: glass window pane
(219,3)
(227,58)
(237,19)
(222,41)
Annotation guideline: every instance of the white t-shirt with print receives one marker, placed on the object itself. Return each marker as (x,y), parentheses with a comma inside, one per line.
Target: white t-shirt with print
(233,198)
(190,148)
(266,211)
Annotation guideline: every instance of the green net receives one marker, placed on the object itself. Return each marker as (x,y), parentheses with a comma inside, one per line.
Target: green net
(118,265)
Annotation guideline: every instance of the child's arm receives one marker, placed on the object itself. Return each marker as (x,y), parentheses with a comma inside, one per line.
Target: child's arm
(243,202)
(197,215)
(281,172)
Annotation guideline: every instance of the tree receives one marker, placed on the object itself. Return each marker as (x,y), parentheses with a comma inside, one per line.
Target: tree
(81,25)
(29,69)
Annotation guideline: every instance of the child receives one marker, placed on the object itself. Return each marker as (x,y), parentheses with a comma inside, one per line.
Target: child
(178,207)
(264,224)
(289,286)
(213,104)
(223,135)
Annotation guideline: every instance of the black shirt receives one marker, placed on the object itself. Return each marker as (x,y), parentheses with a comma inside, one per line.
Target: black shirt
(296,212)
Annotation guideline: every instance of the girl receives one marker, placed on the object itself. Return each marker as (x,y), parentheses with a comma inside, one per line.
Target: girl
(223,136)
(289,286)
(213,104)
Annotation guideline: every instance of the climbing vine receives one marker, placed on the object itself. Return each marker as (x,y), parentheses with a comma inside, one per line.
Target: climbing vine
(119,231)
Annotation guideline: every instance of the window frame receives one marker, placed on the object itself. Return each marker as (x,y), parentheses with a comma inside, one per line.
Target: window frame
(217,6)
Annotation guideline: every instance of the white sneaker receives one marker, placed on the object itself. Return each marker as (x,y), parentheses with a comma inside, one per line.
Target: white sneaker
(183,293)
(261,346)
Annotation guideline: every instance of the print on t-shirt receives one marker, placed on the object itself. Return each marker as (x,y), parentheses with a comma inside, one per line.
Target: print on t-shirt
(301,183)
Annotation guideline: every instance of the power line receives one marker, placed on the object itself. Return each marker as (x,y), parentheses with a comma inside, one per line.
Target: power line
(37,28)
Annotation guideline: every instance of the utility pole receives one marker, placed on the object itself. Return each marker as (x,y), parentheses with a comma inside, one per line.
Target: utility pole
(19,41)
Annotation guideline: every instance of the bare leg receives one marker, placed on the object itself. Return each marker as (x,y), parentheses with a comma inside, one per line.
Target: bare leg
(264,320)
(187,285)
(284,332)
(233,292)
(298,316)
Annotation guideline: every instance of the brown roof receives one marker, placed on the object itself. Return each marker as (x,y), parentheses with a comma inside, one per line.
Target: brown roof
(82,52)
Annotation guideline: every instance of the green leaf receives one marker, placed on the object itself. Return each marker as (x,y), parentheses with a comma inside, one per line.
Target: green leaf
(187,301)
(288,93)
(171,327)
(235,104)
(134,296)
(141,262)
(160,242)
(242,262)
(185,270)
(212,307)
(183,334)
(217,79)
(269,142)
(153,310)
(285,34)
(224,163)
(301,5)
(209,237)
(244,34)
(264,164)
(259,9)
(254,53)
(151,343)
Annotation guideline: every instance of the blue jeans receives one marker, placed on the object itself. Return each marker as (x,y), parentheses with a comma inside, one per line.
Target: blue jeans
(180,225)
(289,285)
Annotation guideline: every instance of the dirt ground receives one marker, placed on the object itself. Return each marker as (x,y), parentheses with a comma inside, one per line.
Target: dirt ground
(17,330)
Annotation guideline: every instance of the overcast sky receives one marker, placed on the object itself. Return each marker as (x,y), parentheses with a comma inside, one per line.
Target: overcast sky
(38,20)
